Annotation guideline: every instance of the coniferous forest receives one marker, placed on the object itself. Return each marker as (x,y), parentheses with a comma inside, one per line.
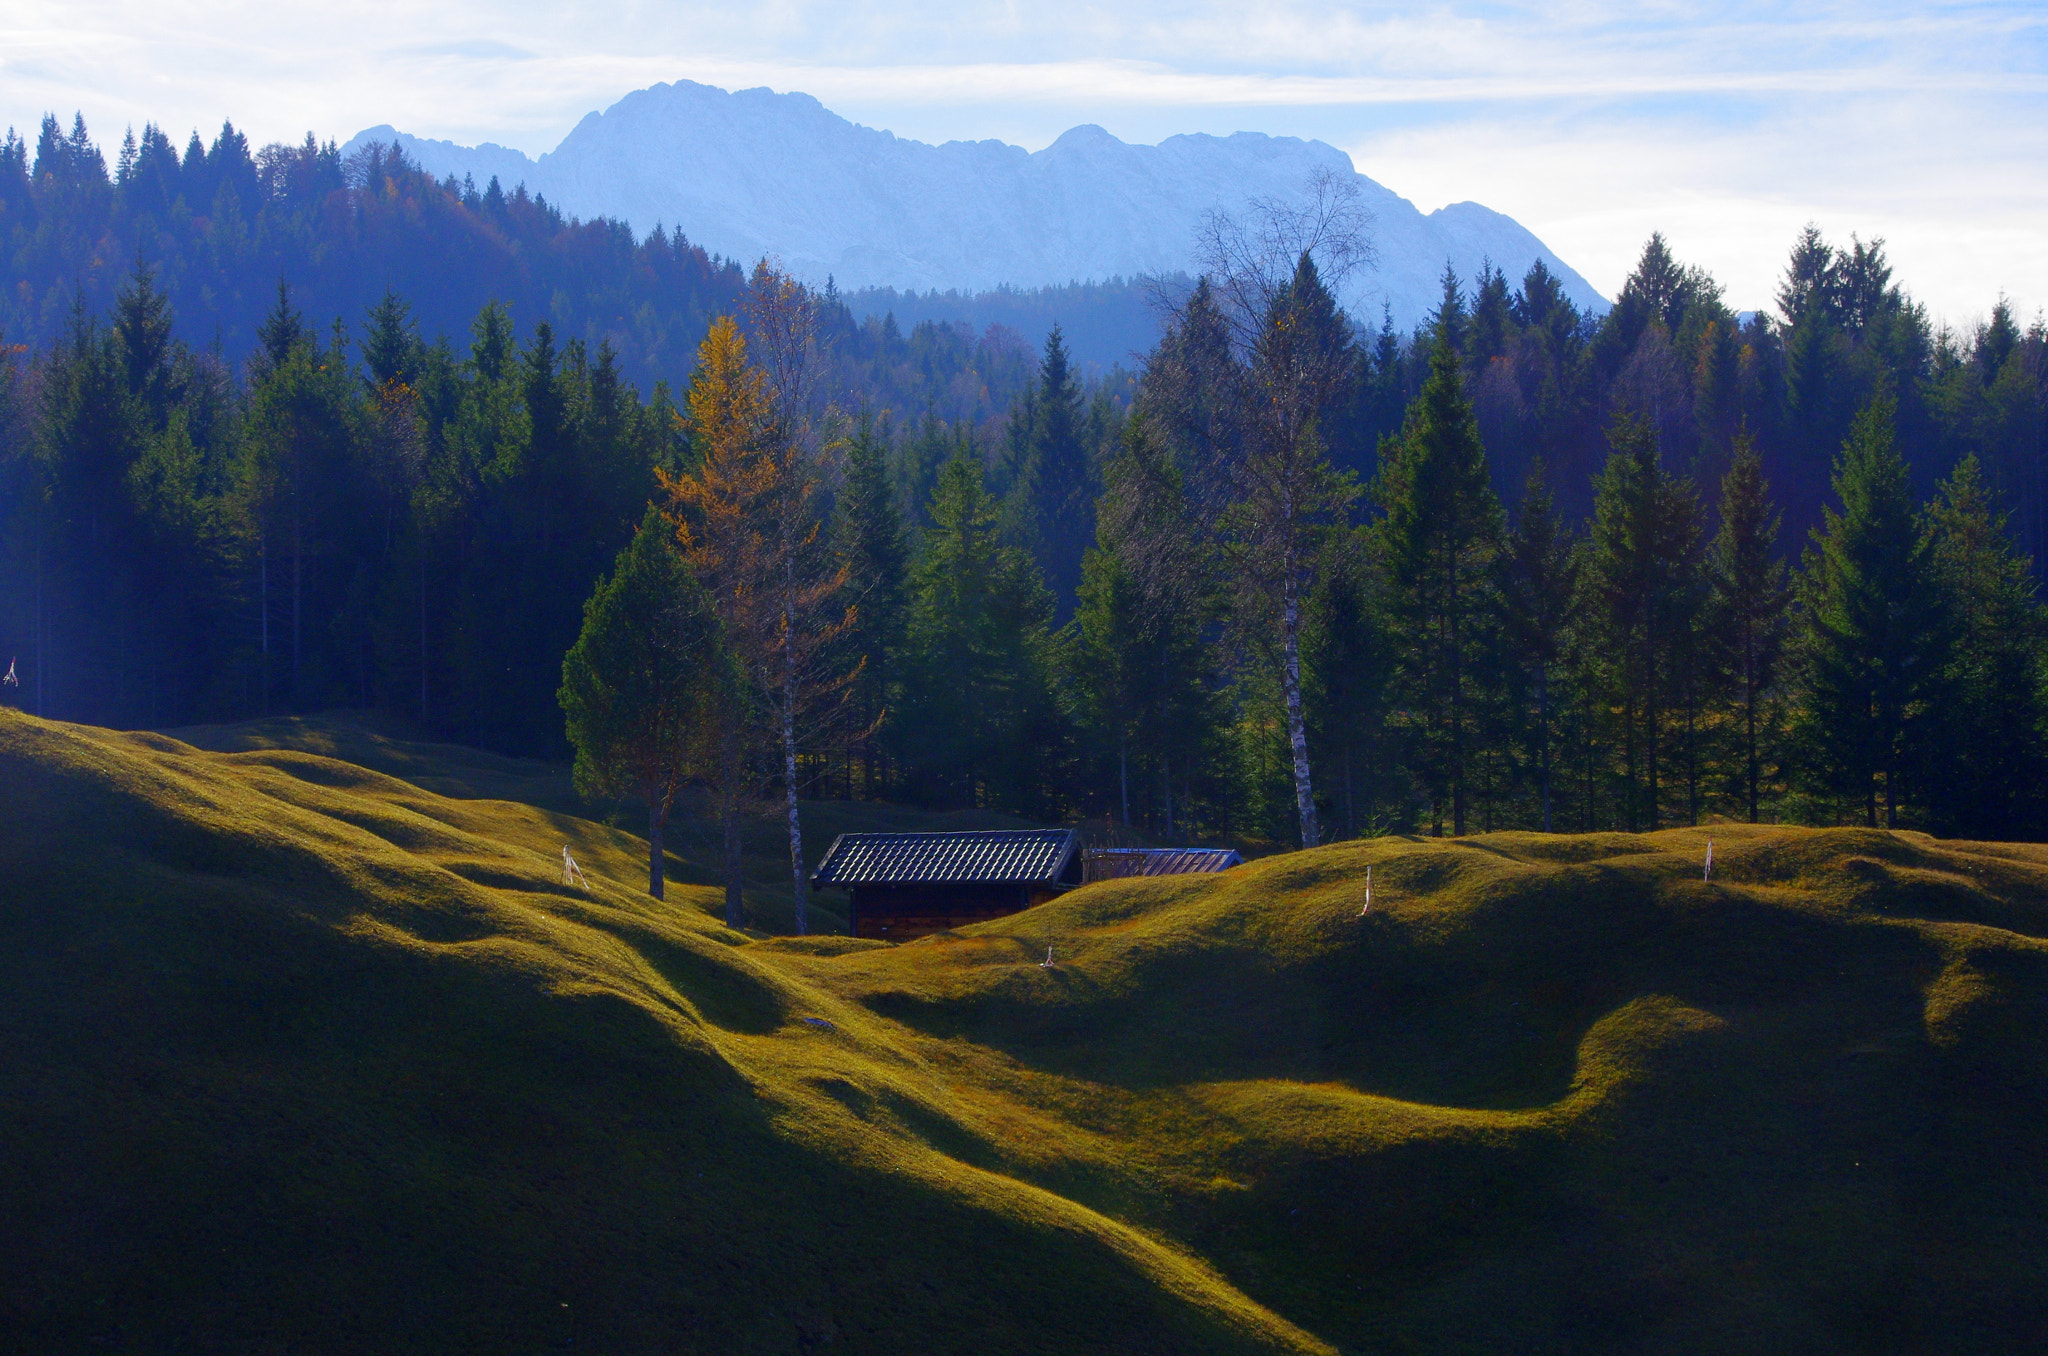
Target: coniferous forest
(281,433)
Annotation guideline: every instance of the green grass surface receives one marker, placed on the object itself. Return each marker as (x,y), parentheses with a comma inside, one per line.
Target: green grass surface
(296,1055)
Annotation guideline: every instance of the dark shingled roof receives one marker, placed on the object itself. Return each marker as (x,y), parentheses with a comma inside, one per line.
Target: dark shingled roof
(1112,863)
(996,856)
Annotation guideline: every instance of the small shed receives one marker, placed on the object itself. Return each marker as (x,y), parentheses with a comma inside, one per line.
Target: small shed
(1115,863)
(909,885)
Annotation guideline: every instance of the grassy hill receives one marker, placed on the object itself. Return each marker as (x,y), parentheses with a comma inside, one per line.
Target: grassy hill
(296,1055)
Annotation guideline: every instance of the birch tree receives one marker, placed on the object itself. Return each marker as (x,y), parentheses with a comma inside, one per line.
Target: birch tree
(1294,365)
(747,516)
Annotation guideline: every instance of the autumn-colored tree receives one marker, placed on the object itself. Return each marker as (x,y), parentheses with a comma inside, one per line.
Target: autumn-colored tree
(749,522)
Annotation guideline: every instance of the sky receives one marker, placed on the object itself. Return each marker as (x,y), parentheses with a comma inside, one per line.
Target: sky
(1726,126)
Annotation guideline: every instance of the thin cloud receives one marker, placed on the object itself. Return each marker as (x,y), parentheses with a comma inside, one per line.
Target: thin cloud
(1592,123)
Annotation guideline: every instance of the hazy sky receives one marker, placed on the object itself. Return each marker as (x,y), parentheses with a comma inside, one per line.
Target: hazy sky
(1727,126)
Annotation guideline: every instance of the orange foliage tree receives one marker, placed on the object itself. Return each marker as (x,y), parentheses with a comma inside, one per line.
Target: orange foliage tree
(748,516)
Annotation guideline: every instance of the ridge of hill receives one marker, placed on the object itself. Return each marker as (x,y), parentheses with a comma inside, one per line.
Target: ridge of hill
(752,172)
(299,1054)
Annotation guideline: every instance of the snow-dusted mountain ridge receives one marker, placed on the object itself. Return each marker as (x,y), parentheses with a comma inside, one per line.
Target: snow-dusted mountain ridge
(757,173)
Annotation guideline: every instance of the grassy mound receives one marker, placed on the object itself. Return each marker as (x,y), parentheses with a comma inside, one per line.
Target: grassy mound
(297,1055)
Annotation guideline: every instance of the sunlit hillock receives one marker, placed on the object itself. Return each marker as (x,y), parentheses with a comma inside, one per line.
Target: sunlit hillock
(299,1055)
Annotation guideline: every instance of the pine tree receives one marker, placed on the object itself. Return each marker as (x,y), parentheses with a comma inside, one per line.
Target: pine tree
(391,348)
(980,725)
(1537,578)
(1055,483)
(1747,613)
(873,548)
(142,325)
(648,684)
(1647,589)
(1348,662)
(1989,778)
(1874,640)
(1145,601)
(1437,542)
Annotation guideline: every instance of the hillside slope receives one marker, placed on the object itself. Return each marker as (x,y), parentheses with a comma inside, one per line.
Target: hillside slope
(753,172)
(298,1056)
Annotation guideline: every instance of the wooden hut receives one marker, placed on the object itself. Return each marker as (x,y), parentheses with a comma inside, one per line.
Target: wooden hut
(909,885)
(1116,863)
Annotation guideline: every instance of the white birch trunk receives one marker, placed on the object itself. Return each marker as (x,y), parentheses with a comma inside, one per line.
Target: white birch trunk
(1297,728)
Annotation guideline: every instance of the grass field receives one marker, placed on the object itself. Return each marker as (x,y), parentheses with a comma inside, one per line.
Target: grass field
(298,1055)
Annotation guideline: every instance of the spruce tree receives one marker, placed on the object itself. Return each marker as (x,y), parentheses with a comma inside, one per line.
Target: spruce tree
(1138,655)
(1348,663)
(873,548)
(1437,544)
(1647,589)
(648,684)
(1990,777)
(1874,638)
(1748,612)
(1537,577)
(1056,482)
(980,724)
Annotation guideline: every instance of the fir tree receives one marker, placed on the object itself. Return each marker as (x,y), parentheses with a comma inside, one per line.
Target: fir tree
(1537,578)
(1874,639)
(647,684)
(980,725)
(1645,576)
(1747,613)
(1437,542)
(873,548)
(1989,778)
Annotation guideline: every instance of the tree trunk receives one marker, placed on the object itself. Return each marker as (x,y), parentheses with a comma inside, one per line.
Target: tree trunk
(1543,741)
(423,629)
(1457,710)
(800,892)
(1749,739)
(1350,804)
(657,819)
(263,614)
(298,594)
(1166,785)
(729,822)
(1123,775)
(1297,729)
(42,630)
(735,905)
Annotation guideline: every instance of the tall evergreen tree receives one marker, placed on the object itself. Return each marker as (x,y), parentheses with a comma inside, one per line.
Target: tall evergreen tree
(1139,655)
(1875,636)
(874,550)
(1537,578)
(1438,540)
(1645,575)
(1748,611)
(648,683)
(1348,662)
(1056,482)
(1991,778)
(980,724)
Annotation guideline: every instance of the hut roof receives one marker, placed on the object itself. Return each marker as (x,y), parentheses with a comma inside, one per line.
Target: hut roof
(1112,863)
(1021,856)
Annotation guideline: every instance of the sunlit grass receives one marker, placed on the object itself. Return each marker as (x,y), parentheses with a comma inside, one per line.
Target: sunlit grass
(301,1053)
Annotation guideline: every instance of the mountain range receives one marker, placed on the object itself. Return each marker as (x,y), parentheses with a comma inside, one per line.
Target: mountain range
(753,173)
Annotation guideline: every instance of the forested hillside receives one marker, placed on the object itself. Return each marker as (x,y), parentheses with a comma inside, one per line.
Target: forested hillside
(1303,576)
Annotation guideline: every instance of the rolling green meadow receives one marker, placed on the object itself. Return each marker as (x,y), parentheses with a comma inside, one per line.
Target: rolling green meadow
(304,1045)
